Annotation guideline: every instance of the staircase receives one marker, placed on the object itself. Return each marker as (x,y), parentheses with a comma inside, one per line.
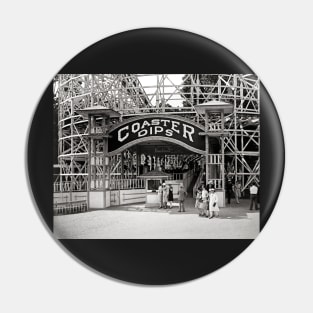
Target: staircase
(196,184)
(192,184)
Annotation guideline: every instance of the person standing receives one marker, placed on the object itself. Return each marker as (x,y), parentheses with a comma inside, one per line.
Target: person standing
(237,191)
(253,196)
(209,185)
(229,187)
(199,202)
(213,203)
(165,195)
(182,194)
(170,196)
(160,196)
(205,200)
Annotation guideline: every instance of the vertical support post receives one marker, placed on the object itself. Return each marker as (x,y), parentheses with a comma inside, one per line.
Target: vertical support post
(93,157)
(122,165)
(104,166)
(157,99)
(60,145)
(223,155)
(198,88)
(243,180)
(137,161)
(235,128)
(72,146)
(206,147)
(89,164)
(91,90)
(192,84)
(90,143)
(162,94)
(219,87)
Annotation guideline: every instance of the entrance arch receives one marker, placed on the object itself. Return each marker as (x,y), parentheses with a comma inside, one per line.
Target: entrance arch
(171,128)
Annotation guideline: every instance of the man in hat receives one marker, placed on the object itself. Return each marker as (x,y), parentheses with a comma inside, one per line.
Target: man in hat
(229,187)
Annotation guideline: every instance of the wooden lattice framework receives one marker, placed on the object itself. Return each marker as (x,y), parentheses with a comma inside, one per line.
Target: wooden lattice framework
(129,95)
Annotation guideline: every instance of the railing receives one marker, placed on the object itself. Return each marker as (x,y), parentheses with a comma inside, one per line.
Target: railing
(217,183)
(122,184)
(197,183)
(215,158)
(187,178)
(70,186)
(67,197)
(70,207)
(176,176)
(98,130)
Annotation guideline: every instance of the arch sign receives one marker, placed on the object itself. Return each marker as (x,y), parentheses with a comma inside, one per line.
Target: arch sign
(168,128)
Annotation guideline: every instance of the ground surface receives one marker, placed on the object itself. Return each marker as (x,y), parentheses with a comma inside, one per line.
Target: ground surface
(135,221)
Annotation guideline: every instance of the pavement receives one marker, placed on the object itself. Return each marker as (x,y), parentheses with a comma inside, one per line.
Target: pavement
(135,221)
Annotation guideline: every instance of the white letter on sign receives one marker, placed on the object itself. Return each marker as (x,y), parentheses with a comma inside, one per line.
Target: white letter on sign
(168,132)
(158,129)
(119,136)
(142,133)
(189,132)
(135,127)
(175,124)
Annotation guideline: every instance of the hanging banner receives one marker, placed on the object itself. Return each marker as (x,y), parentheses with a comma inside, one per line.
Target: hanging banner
(168,128)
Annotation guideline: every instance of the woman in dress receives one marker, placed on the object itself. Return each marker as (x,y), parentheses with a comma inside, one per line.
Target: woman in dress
(199,203)
(170,196)
(213,203)
(205,198)
(165,196)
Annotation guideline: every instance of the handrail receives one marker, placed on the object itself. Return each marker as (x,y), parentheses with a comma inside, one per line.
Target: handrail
(70,186)
(70,207)
(187,177)
(176,176)
(127,183)
(197,183)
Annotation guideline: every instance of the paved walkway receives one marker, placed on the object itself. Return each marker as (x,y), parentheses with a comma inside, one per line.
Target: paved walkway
(138,222)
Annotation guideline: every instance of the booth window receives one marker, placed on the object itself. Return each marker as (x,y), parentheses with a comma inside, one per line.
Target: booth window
(153,185)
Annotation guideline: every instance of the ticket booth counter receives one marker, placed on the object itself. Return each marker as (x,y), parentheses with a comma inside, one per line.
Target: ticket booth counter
(153,180)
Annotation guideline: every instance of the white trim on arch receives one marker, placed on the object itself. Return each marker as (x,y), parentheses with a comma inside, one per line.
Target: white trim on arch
(169,116)
(150,138)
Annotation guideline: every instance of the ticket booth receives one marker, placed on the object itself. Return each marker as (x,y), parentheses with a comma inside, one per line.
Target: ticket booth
(153,180)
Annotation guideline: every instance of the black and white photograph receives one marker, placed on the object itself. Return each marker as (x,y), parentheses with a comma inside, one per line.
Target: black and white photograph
(156,156)
(158,190)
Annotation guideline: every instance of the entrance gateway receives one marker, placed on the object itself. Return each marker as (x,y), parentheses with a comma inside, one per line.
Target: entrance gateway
(120,154)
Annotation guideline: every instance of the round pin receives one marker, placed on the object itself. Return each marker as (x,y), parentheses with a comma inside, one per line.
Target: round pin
(169,176)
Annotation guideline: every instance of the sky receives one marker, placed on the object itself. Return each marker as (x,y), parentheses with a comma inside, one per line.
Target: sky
(149,83)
